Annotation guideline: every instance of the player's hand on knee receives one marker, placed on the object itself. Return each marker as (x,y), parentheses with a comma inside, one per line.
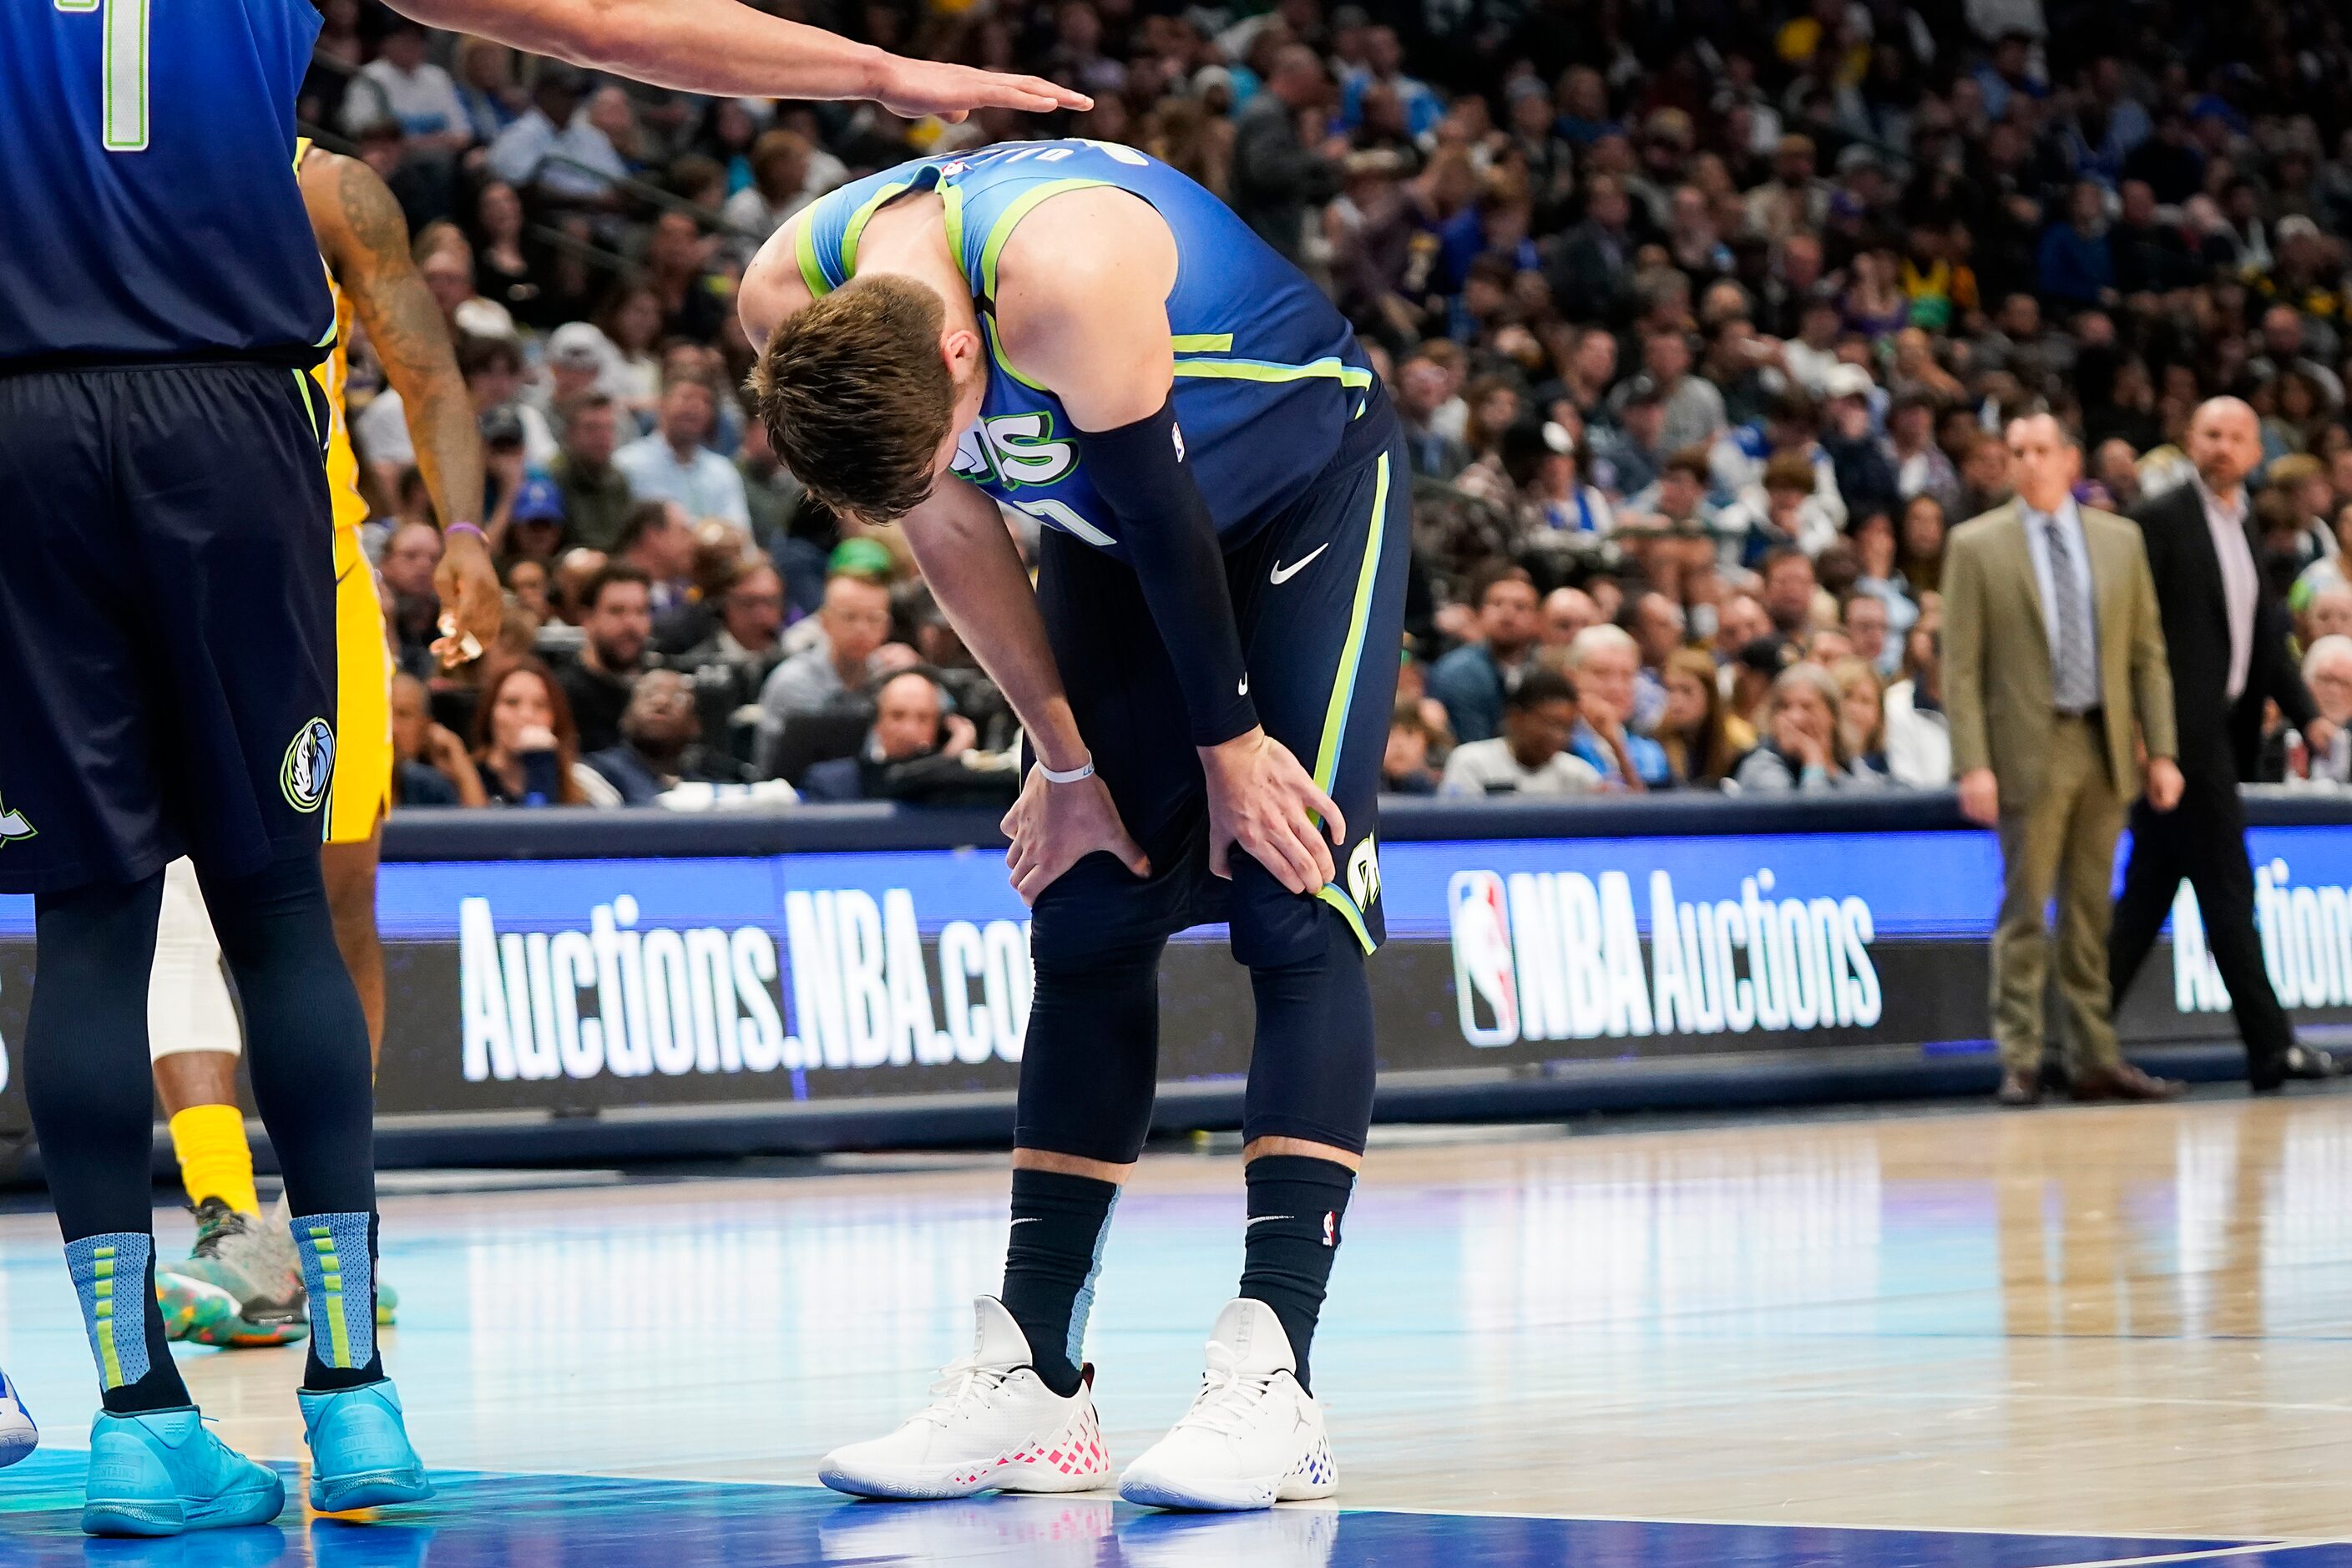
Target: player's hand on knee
(1263,801)
(1053,827)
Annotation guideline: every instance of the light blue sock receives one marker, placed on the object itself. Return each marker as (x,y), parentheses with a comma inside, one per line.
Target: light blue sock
(339,1272)
(109,1276)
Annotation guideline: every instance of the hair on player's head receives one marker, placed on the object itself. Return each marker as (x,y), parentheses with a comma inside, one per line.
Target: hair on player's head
(856,397)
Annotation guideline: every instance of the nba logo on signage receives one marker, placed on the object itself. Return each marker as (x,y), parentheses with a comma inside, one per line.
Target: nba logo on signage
(1483,982)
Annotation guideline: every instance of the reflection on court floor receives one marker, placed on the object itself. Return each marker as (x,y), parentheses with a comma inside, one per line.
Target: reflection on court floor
(480,1520)
(2063,1337)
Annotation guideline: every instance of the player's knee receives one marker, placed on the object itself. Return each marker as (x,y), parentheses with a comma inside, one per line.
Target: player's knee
(1312,1069)
(1272,927)
(1090,1063)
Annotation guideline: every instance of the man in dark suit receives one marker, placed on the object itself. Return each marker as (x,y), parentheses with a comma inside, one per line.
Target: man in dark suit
(2228,636)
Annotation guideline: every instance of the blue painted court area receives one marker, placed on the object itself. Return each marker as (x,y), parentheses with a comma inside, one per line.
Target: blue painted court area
(588,1521)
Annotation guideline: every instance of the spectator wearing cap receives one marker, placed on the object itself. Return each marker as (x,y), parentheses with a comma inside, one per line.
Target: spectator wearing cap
(1531,756)
(660,745)
(673,464)
(597,496)
(919,753)
(1865,477)
(1556,507)
(1473,681)
(534,523)
(617,621)
(578,361)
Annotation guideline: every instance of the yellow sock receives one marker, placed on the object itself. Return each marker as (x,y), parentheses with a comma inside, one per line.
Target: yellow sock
(215,1162)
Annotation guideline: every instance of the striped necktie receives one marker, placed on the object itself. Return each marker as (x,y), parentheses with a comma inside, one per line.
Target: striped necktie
(2075,684)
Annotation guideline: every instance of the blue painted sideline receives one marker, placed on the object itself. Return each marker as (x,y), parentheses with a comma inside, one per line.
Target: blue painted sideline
(482,1519)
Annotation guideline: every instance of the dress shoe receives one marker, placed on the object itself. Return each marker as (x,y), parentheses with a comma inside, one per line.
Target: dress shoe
(2122,1081)
(2264,1074)
(2019,1086)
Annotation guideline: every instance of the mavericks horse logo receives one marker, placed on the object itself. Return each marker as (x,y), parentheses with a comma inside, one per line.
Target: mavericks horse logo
(309,764)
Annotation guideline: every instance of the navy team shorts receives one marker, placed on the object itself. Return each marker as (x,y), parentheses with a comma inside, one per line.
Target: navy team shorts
(1318,591)
(167,630)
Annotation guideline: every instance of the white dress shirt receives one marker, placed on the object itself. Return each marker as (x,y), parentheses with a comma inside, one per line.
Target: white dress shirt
(2070,520)
(2240,589)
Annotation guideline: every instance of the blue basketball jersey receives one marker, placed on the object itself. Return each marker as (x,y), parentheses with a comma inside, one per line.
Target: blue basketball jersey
(148,205)
(1269,377)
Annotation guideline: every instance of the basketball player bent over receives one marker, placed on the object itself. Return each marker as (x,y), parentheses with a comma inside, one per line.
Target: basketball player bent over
(1207,663)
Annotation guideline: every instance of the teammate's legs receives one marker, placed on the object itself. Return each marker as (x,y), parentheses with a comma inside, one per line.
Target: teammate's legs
(250,665)
(86,1083)
(80,738)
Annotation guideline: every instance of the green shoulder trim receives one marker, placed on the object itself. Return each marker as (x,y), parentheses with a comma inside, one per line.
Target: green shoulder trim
(804,249)
(1010,219)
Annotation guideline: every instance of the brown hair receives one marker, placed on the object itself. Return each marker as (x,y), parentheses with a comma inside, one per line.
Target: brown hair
(1706,755)
(559,720)
(855,397)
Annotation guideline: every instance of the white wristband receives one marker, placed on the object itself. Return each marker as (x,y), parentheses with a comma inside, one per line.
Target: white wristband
(1085,770)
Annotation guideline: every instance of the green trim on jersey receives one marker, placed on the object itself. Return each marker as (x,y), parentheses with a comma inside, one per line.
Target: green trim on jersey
(1343,684)
(1334,369)
(855,228)
(1010,219)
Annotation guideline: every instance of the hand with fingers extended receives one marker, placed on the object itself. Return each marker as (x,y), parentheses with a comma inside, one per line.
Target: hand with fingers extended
(917,88)
(1055,825)
(1261,801)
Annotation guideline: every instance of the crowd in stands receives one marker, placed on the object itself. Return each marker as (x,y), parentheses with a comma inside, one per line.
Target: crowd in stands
(1704,318)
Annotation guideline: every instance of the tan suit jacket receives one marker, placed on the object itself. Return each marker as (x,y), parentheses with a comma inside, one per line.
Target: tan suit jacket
(1997,679)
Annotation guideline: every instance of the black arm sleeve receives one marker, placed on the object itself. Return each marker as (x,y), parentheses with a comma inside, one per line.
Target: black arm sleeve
(1140,471)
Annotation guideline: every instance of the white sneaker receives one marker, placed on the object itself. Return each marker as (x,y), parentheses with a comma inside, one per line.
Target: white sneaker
(1253,1437)
(18,1435)
(991,1424)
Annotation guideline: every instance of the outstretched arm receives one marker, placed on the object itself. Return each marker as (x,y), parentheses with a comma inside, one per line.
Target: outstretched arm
(365,241)
(727,49)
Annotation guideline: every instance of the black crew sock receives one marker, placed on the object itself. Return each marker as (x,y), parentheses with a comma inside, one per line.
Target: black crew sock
(1296,1203)
(1058,1225)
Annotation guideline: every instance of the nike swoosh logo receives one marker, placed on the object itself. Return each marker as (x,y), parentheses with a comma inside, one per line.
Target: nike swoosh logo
(1261,1219)
(1029,1219)
(1282,574)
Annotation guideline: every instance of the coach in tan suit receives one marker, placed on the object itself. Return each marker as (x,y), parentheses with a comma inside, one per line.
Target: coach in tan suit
(2052,655)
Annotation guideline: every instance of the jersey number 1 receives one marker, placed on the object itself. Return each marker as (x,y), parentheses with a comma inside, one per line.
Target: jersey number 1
(125,69)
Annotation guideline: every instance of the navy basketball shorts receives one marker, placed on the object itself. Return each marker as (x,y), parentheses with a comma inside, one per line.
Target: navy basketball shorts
(167,630)
(1319,594)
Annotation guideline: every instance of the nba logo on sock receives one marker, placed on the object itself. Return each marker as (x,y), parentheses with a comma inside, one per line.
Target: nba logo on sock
(1330,1228)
